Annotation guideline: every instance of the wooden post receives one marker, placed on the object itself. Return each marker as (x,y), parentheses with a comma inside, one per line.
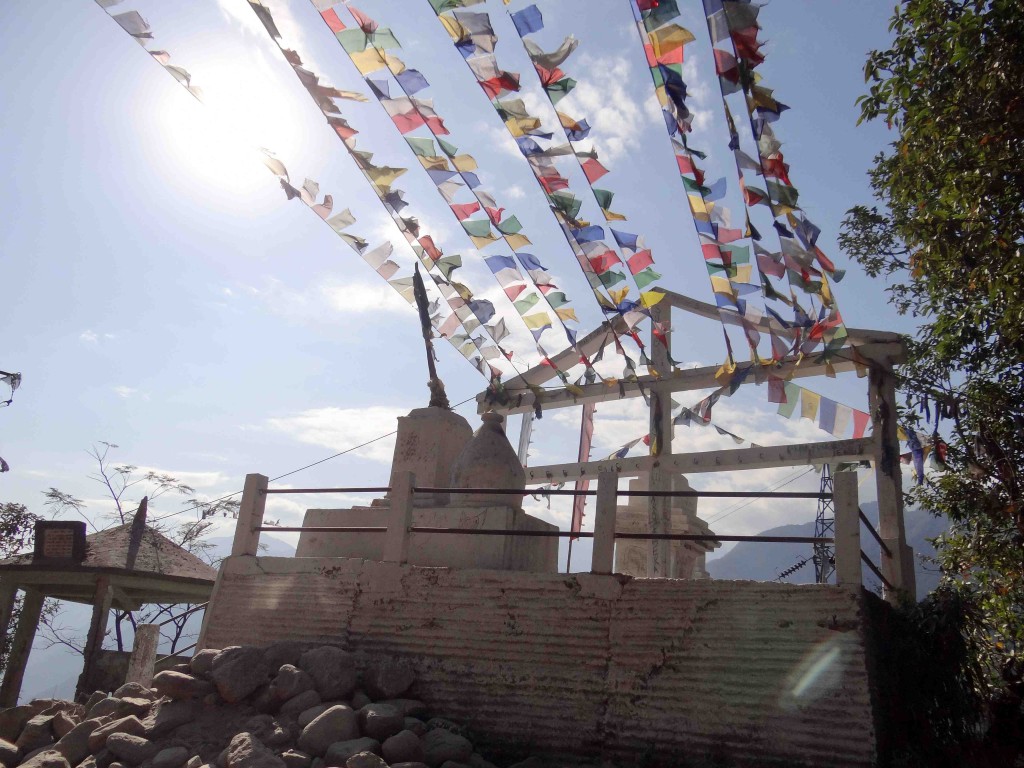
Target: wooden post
(8,592)
(659,509)
(143,659)
(250,516)
(847,529)
(604,521)
(396,540)
(102,600)
(899,567)
(17,657)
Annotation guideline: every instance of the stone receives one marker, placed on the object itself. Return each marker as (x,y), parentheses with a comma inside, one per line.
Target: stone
(13,720)
(360,700)
(307,716)
(365,760)
(106,706)
(167,716)
(89,762)
(293,758)
(134,691)
(332,669)
(445,724)
(440,746)
(38,732)
(408,707)
(74,744)
(388,678)
(171,757)
(339,752)
(104,758)
(131,749)
(284,652)
(301,704)
(403,747)
(130,725)
(94,698)
(179,686)
(268,730)
(289,682)
(62,724)
(8,754)
(246,751)
(194,762)
(378,721)
(415,725)
(131,705)
(339,723)
(409,765)
(239,671)
(47,759)
(201,665)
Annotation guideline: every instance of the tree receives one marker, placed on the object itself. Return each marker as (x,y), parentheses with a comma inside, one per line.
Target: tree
(124,485)
(948,235)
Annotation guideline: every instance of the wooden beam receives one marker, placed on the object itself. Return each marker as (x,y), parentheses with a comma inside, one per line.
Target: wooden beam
(678,381)
(21,645)
(757,457)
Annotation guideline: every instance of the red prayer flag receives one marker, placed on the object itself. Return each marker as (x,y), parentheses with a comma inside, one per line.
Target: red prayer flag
(860,423)
(825,261)
(365,23)
(495,214)
(640,261)
(777,390)
(712,252)
(464,210)
(513,291)
(685,164)
(593,170)
(428,245)
(333,22)
(603,261)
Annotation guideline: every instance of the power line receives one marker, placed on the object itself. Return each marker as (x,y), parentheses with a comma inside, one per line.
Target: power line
(782,484)
(300,469)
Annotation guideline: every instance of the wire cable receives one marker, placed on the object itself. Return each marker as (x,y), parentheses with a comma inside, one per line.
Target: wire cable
(782,484)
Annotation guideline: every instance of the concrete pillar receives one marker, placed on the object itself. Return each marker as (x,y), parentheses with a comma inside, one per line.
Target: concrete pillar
(396,540)
(104,597)
(604,521)
(17,657)
(847,529)
(898,568)
(250,516)
(8,592)
(143,658)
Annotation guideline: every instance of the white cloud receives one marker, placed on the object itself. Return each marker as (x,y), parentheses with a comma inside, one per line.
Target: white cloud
(339,429)
(89,337)
(191,478)
(516,192)
(125,392)
(330,296)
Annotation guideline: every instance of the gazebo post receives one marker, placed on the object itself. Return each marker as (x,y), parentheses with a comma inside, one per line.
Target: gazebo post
(97,631)
(8,591)
(17,658)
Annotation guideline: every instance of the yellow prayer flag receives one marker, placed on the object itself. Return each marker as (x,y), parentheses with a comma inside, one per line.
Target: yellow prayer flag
(662,95)
(618,296)
(518,126)
(464,163)
(515,242)
(567,313)
(722,285)
(809,402)
(455,29)
(669,38)
(436,163)
(537,321)
(612,216)
(650,298)
(698,206)
(482,242)
(384,176)
(900,433)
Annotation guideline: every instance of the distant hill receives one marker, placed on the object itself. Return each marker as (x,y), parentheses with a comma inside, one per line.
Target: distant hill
(764,562)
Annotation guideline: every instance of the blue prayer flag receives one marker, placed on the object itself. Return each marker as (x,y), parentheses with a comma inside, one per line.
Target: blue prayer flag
(528,20)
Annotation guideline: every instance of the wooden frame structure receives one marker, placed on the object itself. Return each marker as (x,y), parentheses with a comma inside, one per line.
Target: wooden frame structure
(874,351)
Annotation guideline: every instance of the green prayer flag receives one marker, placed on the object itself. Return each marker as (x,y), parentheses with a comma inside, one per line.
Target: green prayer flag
(423,147)
(509,226)
(611,277)
(664,12)
(646,277)
(449,264)
(557,299)
(353,40)
(604,198)
(449,149)
(525,304)
(792,398)
(477,227)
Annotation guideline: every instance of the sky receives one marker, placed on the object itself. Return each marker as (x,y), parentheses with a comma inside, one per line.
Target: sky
(160,293)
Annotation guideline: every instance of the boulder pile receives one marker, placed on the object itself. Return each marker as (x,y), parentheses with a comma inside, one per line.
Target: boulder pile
(284,706)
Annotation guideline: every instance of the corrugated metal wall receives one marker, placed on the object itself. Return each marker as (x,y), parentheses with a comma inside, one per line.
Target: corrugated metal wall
(631,670)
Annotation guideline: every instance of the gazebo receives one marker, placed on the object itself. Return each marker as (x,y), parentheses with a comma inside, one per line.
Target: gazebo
(124,568)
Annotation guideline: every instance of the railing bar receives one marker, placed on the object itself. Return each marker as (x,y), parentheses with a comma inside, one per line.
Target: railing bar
(716,537)
(502,532)
(873,532)
(656,494)
(175,653)
(193,609)
(322,529)
(874,569)
(383,489)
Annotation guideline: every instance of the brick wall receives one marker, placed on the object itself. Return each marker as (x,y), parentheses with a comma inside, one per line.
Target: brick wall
(659,671)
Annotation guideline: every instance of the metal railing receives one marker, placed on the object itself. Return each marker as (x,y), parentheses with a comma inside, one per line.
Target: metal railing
(399,527)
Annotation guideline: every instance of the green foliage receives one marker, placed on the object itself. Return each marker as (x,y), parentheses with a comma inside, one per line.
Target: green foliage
(948,236)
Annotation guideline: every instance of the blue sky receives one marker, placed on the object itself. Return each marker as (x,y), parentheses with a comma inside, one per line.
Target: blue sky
(160,293)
